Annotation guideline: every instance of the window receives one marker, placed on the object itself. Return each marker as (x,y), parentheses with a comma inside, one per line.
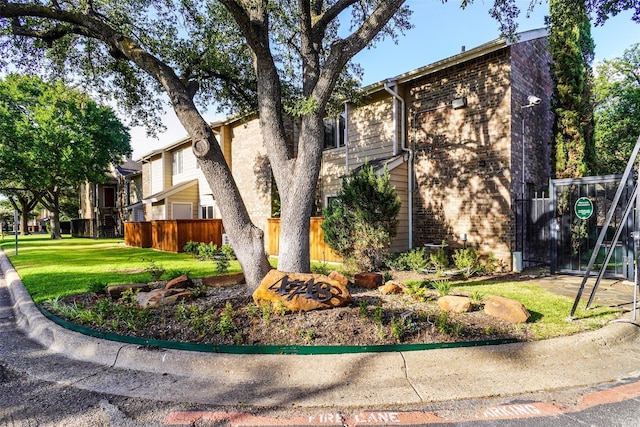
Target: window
(177,162)
(330,199)
(109,197)
(206,212)
(334,132)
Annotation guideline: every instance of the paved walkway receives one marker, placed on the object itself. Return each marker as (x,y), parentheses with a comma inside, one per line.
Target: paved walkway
(399,380)
(617,293)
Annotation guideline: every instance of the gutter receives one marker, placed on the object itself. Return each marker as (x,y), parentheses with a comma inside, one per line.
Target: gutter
(399,118)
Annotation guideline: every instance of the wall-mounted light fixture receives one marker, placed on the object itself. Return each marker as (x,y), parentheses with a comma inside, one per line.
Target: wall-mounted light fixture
(458,103)
(532,102)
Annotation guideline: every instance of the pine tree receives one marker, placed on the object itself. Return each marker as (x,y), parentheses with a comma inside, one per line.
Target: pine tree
(360,223)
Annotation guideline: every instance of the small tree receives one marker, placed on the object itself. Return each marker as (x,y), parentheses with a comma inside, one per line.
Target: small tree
(360,223)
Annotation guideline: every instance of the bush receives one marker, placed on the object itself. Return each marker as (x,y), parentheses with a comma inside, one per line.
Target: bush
(360,223)
(191,248)
(439,260)
(467,260)
(210,251)
(413,260)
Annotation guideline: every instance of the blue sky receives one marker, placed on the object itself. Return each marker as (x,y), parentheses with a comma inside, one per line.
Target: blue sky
(440,30)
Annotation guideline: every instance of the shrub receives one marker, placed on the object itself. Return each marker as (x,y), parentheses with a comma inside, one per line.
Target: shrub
(439,260)
(442,286)
(413,260)
(467,261)
(210,251)
(360,223)
(228,252)
(191,248)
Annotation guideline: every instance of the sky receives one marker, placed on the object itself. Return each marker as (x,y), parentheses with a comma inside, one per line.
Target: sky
(440,31)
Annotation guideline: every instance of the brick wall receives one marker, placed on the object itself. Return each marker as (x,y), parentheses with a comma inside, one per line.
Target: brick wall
(530,76)
(468,161)
(463,156)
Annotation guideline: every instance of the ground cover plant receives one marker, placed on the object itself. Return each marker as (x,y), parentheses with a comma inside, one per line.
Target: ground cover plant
(227,315)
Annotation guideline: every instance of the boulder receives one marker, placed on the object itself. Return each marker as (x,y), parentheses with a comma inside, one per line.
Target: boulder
(301,292)
(160,297)
(180,282)
(223,280)
(391,287)
(506,309)
(368,280)
(116,291)
(340,278)
(455,304)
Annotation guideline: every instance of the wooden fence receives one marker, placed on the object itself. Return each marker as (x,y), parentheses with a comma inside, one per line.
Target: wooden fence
(319,251)
(172,235)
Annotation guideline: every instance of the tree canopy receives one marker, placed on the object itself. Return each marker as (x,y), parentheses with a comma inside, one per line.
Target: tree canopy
(617,110)
(572,48)
(279,58)
(54,138)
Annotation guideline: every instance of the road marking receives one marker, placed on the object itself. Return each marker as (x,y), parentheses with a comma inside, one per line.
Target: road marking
(397,418)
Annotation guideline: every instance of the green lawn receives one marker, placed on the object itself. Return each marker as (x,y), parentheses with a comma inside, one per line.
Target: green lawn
(549,311)
(51,268)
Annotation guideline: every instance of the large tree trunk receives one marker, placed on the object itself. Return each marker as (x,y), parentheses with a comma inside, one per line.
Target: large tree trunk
(24,221)
(247,240)
(297,199)
(53,200)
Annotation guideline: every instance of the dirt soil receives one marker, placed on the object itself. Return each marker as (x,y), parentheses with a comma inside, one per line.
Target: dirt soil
(372,319)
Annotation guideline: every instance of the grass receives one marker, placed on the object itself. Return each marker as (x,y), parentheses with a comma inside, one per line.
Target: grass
(51,268)
(54,268)
(549,311)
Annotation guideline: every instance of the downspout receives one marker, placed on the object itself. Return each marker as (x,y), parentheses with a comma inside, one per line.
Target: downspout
(400,144)
(346,138)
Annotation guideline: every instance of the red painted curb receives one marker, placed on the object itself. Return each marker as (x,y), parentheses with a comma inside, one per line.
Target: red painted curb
(385,418)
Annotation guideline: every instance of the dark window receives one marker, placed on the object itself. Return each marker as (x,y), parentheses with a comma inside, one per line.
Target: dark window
(334,128)
(109,197)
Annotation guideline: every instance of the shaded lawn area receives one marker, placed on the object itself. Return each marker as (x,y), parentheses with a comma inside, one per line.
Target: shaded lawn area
(70,266)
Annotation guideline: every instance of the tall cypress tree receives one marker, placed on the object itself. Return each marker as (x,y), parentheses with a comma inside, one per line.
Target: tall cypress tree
(572,48)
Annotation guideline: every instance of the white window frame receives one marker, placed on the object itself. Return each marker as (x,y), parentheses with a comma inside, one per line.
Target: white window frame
(208,211)
(177,162)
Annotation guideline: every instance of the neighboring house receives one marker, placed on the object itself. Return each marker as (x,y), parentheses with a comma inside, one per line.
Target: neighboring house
(174,187)
(103,207)
(451,136)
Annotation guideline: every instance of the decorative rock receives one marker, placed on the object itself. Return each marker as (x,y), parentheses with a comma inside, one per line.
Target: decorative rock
(116,291)
(224,280)
(180,282)
(160,297)
(340,278)
(368,280)
(507,309)
(391,287)
(455,304)
(301,292)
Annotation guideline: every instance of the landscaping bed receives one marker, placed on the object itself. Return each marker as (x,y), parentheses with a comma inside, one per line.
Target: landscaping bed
(228,316)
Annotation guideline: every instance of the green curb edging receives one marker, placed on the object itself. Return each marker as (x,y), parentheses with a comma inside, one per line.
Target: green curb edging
(266,349)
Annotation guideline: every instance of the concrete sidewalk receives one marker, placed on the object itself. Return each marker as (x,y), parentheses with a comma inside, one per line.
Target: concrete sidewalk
(292,381)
